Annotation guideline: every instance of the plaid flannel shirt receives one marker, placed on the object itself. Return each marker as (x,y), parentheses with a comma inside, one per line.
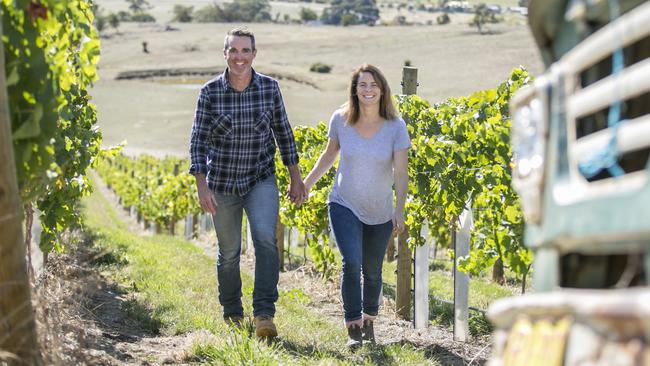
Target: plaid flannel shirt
(234,134)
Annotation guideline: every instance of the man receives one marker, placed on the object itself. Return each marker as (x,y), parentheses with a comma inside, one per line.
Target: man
(240,116)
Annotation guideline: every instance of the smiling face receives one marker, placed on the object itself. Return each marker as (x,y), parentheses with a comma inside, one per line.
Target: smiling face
(239,55)
(368,89)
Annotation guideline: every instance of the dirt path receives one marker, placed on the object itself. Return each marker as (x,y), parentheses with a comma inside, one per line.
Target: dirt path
(83,321)
(86,323)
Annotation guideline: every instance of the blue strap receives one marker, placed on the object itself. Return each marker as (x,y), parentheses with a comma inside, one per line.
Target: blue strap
(607,158)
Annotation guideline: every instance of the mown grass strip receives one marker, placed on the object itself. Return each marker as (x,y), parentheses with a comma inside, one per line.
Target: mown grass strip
(176,291)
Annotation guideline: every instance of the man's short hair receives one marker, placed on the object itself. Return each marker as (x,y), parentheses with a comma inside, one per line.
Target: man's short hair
(239,32)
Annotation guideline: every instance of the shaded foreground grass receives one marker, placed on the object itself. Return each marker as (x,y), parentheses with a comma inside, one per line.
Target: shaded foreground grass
(175,287)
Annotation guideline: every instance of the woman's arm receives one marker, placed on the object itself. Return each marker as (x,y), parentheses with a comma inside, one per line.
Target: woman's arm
(324,163)
(401,176)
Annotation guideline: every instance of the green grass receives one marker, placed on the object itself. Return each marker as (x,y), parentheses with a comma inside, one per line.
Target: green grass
(482,292)
(174,292)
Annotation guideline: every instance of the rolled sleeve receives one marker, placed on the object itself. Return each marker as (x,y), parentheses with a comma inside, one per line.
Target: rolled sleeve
(282,130)
(199,139)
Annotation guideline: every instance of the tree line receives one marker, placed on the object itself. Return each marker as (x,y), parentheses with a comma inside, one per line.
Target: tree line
(339,12)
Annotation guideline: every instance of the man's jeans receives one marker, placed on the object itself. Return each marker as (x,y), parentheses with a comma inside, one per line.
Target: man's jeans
(363,248)
(261,205)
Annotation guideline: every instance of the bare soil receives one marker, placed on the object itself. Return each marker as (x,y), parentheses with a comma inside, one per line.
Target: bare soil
(82,318)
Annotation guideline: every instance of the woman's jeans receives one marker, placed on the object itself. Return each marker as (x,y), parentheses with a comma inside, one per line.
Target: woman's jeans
(261,205)
(363,248)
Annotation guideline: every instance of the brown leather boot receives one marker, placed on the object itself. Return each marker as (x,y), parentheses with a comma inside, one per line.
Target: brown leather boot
(264,327)
(355,340)
(236,321)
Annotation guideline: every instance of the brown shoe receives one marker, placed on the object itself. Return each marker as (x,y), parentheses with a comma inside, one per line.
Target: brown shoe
(236,321)
(264,327)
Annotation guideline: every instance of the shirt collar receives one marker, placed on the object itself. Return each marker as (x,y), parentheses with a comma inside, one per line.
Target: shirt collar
(255,80)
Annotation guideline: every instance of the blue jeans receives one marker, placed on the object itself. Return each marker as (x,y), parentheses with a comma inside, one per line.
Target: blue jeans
(363,248)
(261,205)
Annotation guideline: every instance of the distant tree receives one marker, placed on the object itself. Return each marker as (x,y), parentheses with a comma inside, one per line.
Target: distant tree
(182,13)
(349,19)
(114,21)
(248,10)
(443,19)
(262,17)
(138,6)
(287,18)
(209,13)
(124,16)
(357,11)
(307,15)
(483,15)
(237,11)
(142,17)
(100,23)
(320,67)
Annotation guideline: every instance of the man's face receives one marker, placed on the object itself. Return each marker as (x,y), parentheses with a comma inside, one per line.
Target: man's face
(239,55)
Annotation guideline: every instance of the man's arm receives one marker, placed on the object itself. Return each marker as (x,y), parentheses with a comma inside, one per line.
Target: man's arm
(199,151)
(287,145)
(206,199)
(282,131)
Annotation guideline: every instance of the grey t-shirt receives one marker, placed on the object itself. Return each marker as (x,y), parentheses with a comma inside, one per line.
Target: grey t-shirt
(364,178)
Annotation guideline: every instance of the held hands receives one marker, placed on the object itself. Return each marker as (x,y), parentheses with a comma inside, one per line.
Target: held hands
(297,192)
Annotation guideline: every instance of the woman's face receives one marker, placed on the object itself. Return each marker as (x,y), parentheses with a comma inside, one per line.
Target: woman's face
(368,90)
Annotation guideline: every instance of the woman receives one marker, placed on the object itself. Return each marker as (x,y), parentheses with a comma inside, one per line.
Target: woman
(373,143)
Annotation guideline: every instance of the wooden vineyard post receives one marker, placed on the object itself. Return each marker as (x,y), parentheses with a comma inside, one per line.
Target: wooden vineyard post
(404,257)
(404,263)
(17,324)
(409,80)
